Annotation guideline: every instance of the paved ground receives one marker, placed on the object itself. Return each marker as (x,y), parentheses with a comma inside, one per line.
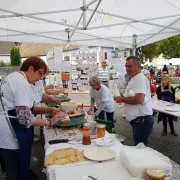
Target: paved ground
(169,145)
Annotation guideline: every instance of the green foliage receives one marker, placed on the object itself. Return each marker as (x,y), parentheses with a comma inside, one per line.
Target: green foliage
(15,56)
(3,64)
(170,48)
(150,51)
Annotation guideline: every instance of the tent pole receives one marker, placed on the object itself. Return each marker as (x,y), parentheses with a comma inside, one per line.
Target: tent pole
(93,14)
(132,20)
(38,18)
(23,33)
(40,13)
(134,39)
(161,30)
(76,26)
(92,2)
(84,13)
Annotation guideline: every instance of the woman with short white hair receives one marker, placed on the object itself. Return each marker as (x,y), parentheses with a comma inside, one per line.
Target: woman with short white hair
(100,95)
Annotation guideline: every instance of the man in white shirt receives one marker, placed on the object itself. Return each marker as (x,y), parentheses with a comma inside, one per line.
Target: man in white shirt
(103,73)
(138,108)
(100,95)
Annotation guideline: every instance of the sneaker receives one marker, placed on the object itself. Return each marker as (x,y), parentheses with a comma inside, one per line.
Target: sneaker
(124,115)
(164,133)
(174,133)
(32,175)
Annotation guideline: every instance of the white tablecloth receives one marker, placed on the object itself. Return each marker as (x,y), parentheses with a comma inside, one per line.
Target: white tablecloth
(51,134)
(161,106)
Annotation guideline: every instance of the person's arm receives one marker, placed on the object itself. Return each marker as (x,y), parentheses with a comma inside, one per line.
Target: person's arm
(50,86)
(44,110)
(137,99)
(26,118)
(173,91)
(100,108)
(47,98)
(153,90)
(158,92)
(92,103)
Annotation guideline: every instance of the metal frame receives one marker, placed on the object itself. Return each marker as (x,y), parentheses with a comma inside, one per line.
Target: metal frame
(86,23)
(38,18)
(23,33)
(99,38)
(75,27)
(92,2)
(92,15)
(131,20)
(40,13)
(160,30)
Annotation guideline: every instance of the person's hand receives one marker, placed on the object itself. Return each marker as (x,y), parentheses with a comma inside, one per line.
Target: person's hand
(89,112)
(55,100)
(65,122)
(118,99)
(57,117)
(51,86)
(54,110)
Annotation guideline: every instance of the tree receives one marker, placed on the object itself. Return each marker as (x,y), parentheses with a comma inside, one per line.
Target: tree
(3,64)
(170,48)
(150,51)
(15,56)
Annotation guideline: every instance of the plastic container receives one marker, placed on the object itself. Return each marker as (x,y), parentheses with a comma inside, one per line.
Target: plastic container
(100,130)
(155,174)
(86,132)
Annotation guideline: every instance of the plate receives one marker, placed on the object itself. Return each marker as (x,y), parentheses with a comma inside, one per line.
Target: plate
(106,141)
(172,109)
(99,154)
(75,114)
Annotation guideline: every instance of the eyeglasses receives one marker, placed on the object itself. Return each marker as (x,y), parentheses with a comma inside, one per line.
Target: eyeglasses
(41,73)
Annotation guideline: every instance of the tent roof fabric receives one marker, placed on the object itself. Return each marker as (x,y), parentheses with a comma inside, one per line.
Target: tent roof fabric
(110,23)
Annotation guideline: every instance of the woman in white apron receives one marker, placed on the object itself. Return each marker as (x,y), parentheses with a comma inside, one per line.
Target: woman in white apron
(16,118)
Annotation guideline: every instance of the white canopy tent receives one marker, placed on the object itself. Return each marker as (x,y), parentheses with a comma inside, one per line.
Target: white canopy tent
(174,61)
(110,23)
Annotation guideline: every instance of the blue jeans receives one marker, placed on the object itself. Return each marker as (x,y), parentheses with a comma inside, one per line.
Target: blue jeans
(109,116)
(142,127)
(10,162)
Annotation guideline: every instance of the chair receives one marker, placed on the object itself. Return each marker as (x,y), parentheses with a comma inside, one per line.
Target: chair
(108,124)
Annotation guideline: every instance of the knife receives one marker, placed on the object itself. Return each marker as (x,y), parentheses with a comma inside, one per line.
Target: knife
(58,141)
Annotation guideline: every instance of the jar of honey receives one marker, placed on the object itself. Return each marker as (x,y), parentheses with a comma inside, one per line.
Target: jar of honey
(86,132)
(155,174)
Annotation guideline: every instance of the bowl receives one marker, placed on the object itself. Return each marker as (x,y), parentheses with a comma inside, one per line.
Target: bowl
(68,106)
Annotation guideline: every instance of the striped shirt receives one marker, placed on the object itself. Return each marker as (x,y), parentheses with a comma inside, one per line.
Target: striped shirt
(103,73)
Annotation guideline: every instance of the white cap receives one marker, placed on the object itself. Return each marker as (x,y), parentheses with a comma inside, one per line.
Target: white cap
(145,72)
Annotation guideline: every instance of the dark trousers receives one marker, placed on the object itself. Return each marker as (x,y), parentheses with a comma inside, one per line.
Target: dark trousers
(165,118)
(109,116)
(142,127)
(10,161)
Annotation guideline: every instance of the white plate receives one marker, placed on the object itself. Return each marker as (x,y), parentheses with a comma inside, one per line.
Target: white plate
(99,154)
(172,109)
(106,141)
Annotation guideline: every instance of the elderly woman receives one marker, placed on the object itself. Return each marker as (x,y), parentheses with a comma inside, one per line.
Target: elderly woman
(17,100)
(100,95)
